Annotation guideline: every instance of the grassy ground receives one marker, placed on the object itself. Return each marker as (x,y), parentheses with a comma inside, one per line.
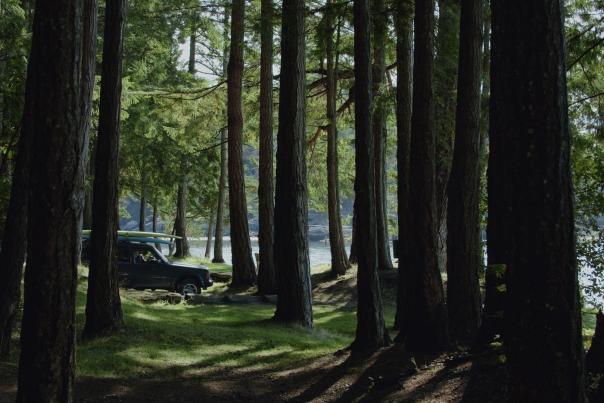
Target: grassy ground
(164,345)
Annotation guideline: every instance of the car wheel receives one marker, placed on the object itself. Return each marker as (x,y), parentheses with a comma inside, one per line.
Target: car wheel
(188,286)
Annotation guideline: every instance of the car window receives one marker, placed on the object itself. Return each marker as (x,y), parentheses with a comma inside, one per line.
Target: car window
(144,255)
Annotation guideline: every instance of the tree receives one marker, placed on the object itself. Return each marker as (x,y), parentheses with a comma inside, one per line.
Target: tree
(267,281)
(371,332)
(425,329)
(143,200)
(291,204)
(53,119)
(404,77)
(180,223)
(531,219)
(103,305)
(463,222)
(223,150)
(445,88)
(244,271)
(339,260)
(209,235)
(380,34)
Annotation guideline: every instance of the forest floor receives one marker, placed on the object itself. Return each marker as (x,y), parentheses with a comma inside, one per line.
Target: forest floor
(235,352)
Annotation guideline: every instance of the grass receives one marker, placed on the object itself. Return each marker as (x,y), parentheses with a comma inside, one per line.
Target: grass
(177,340)
(169,341)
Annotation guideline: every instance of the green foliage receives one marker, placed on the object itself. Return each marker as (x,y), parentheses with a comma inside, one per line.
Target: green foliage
(585,41)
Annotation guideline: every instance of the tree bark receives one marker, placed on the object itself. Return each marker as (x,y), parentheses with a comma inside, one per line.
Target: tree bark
(339,260)
(143,201)
(14,241)
(426,327)
(154,220)
(180,224)
(380,33)
(371,333)
(209,235)
(445,86)
(404,77)
(463,221)
(222,184)
(267,280)
(353,256)
(103,305)
(291,198)
(531,219)
(55,201)
(244,271)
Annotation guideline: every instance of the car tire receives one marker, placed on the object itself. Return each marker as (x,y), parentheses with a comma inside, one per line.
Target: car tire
(188,285)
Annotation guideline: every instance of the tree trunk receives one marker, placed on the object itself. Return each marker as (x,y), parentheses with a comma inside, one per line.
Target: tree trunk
(143,200)
(87,214)
(353,256)
(14,241)
(54,121)
(404,77)
(380,32)
(103,305)
(180,224)
(154,225)
(244,271)
(209,235)
(371,333)
(445,87)
(531,219)
(193,44)
(339,260)
(291,197)
(223,150)
(463,220)
(267,280)
(594,359)
(426,327)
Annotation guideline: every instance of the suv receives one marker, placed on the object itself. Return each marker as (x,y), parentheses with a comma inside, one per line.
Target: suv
(142,266)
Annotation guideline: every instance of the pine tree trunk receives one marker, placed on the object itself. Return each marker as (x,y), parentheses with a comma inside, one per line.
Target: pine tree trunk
(445,87)
(87,214)
(14,241)
(339,260)
(244,271)
(464,248)
(154,220)
(371,333)
(426,327)
(267,280)
(103,305)
(380,32)
(291,197)
(209,235)
(180,224)
(221,196)
(353,256)
(222,184)
(143,201)
(404,77)
(55,201)
(531,219)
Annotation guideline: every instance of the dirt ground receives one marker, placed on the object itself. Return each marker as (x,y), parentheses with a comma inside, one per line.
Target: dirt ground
(387,376)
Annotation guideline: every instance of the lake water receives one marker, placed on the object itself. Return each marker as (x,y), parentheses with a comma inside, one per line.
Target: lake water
(319,251)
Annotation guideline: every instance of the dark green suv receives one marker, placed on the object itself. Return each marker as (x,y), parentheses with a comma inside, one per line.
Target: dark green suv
(141,266)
